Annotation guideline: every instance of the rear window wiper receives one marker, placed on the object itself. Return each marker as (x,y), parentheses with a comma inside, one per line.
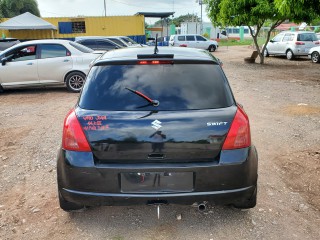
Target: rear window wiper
(154,103)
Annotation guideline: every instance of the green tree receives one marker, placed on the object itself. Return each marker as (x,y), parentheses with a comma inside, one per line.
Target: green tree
(12,8)
(178,20)
(258,12)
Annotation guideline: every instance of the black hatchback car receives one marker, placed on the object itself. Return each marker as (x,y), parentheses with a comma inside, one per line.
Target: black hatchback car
(154,127)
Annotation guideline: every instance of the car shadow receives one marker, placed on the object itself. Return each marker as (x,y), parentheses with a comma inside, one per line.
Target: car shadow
(34,90)
(175,220)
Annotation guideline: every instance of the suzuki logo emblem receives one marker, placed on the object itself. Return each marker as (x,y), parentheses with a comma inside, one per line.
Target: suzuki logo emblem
(156,124)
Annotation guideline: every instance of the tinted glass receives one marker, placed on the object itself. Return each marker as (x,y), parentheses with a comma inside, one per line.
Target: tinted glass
(200,38)
(117,41)
(190,38)
(127,39)
(53,50)
(90,43)
(307,37)
(80,47)
(181,38)
(176,87)
(104,44)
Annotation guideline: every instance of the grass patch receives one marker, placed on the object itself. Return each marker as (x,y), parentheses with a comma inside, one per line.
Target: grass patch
(236,42)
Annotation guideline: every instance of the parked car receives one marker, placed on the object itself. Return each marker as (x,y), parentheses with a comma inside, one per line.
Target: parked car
(120,40)
(98,43)
(314,54)
(291,44)
(156,127)
(193,41)
(318,36)
(45,62)
(7,42)
(163,41)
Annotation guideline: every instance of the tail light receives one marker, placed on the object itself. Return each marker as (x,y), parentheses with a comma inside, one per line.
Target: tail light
(299,43)
(73,137)
(239,133)
(317,42)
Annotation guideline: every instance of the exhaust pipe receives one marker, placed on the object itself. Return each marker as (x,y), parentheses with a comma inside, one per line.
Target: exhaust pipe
(202,207)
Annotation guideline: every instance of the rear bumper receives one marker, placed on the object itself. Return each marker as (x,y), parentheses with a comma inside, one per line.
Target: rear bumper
(121,199)
(233,179)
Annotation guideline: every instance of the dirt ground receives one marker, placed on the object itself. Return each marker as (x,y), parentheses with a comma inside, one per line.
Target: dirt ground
(282,99)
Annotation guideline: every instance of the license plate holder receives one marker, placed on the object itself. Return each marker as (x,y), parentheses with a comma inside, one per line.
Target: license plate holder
(156,182)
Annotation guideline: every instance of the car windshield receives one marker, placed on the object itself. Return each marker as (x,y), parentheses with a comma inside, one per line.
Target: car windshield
(174,86)
(81,48)
(127,40)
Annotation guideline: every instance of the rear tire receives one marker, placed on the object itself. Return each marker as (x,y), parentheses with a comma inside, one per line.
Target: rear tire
(68,206)
(315,57)
(212,48)
(289,55)
(249,203)
(75,81)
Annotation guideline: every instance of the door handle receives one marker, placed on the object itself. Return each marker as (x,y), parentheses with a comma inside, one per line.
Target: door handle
(29,63)
(66,60)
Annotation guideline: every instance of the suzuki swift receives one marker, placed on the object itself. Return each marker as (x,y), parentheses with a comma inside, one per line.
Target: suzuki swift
(156,127)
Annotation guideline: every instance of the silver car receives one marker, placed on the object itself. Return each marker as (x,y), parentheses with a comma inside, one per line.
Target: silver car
(291,44)
(45,62)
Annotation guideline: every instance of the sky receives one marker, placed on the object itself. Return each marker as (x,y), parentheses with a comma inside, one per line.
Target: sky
(72,8)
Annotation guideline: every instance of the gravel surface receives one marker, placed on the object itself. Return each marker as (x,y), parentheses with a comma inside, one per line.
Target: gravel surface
(282,99)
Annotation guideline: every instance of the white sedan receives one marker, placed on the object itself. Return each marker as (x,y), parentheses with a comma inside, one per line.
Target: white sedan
(314,54)
(45,62)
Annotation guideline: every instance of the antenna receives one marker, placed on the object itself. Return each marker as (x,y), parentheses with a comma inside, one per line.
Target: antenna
(156,50)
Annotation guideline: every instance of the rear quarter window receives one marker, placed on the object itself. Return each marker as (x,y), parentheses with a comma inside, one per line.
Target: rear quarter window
(176,87)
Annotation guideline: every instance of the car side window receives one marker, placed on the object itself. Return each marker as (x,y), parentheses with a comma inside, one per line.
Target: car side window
(200,38)
(23,54)
(181,38)
(90,43)
(190,38)
(277,38)
(104,44)
(288,37)
(53,50)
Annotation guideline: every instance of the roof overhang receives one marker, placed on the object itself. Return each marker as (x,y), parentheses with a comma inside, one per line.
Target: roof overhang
(156,14)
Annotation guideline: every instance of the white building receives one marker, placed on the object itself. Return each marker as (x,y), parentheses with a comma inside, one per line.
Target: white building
(213,32)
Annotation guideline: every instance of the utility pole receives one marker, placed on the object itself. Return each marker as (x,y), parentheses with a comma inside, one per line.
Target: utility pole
(105,8)
(201,24)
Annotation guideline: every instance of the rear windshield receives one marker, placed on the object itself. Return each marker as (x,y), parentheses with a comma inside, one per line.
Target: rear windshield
(174,86)
(307,37)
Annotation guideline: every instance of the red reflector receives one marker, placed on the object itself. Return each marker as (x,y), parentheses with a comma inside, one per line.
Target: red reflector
(183,45)
(299,43)
(155,62)
(318,42)
(239,133)
(73,138)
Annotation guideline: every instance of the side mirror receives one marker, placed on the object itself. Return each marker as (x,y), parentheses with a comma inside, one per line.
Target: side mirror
(271,41)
